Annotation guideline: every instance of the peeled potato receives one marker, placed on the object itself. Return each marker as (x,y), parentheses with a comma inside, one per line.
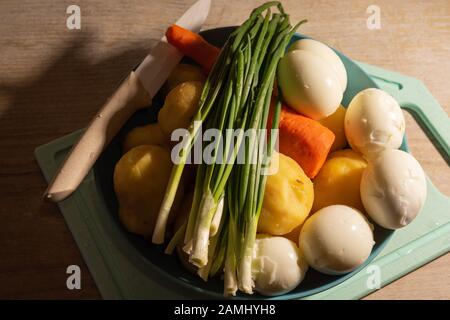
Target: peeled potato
(288,198)
(180,106)
(150,134)
(140,180)
(183,73)
(335,122)
(339,179)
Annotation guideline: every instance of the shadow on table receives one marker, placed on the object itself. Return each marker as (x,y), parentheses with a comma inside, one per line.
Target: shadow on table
(61,98)
(64,95)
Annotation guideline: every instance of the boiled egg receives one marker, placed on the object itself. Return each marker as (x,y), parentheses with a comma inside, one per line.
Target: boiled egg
(278,265)
(309,84)
(393,189)
(336,239)
(374,122)
(326,53)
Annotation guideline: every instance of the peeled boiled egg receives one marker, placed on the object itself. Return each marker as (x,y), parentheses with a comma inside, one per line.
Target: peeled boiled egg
(309,84)
(393,188)
(278,265)
(336,239)
(374,122)
(325,53)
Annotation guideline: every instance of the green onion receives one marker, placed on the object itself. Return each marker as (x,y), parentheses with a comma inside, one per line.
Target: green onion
(221,228)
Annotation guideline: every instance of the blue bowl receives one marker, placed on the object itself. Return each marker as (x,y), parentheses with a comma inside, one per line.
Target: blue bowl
(167,270)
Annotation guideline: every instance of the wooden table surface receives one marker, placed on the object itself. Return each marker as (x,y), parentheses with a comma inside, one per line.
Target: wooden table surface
(52,81)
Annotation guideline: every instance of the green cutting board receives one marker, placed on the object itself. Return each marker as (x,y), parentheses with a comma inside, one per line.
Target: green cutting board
(426,238)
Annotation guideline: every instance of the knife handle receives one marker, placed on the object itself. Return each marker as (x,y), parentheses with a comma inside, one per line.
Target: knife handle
(128,98)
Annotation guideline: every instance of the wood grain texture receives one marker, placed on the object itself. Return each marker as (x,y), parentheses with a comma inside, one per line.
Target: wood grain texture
(52,80)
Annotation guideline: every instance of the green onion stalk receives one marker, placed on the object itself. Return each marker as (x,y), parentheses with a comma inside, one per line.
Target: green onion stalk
(255,180)
(211,89)
(216,174)
(221,228)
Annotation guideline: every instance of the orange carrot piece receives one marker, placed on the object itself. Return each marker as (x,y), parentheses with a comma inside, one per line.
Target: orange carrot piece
(193,45)
(304,140)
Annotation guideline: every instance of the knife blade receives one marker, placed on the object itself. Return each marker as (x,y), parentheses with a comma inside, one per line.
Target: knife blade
(134,93)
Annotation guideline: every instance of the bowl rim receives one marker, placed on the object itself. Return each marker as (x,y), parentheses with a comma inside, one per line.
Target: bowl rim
(166,279)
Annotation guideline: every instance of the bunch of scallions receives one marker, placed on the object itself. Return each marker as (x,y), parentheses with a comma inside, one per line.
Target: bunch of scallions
(220,231)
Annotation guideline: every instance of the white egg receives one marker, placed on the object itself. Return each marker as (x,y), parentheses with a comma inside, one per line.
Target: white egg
(393,189)
(308,84)
(326,53)
(278,266)
(336,239)
(374,122)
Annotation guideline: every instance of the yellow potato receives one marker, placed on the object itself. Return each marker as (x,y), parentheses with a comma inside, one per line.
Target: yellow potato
(150,134)
(183,73)
(287,200)
(180,105)
(140,180)
(339,179)
(335,123)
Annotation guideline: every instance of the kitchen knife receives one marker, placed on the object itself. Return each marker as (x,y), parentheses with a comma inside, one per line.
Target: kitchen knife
(134,93)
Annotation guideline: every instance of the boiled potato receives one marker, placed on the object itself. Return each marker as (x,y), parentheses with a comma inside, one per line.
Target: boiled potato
(339,179)
(140,180)
(180,106)
(183,73)
(288,197)
(335,123)
(150,134)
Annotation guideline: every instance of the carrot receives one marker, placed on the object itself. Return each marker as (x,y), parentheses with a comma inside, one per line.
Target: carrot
(193,45)
(304,140)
